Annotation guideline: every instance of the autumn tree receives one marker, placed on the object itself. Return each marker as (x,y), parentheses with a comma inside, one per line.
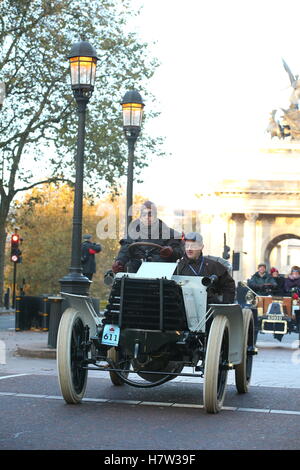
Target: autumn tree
(44,218)
(38,122)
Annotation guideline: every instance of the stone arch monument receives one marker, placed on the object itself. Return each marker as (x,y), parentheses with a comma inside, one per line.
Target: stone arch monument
(276,240)
(255,215)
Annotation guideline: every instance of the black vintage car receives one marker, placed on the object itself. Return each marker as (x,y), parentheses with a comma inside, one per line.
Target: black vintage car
(273,314)
(157,326)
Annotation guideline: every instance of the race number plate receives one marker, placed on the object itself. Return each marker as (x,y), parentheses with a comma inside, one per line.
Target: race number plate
(111,335)
(275,317)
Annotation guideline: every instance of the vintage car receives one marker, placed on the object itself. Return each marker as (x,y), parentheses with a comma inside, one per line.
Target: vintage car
(277,315)
(157,326)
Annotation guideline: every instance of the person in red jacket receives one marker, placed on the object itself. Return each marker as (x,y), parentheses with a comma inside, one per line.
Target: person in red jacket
(88,251)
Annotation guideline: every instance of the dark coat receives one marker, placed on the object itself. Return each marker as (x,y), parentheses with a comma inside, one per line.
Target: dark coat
(280,281)
(88,260)
(259,283)
(165,236)
(290,284)
(225,284)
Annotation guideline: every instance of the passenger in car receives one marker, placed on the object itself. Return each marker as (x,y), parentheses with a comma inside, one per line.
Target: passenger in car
(262,282)
(292,282)
(279,289)
(194,263)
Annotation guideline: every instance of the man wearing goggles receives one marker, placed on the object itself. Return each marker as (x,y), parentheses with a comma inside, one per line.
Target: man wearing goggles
(194,263)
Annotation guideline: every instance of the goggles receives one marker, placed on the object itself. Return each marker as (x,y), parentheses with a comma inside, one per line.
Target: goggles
(189,245)
(147,214)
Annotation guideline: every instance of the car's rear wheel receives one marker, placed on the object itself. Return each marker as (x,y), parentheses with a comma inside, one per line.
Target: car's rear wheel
(116,377)
(244,369)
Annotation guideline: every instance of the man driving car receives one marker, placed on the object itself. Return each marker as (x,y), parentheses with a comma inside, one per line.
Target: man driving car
(148,229)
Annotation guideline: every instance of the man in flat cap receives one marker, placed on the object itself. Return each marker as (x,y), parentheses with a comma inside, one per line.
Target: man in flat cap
(194,263)
(262,282)
(148,228)
(88,251)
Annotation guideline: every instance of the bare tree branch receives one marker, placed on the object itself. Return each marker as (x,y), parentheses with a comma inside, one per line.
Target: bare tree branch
(49,180)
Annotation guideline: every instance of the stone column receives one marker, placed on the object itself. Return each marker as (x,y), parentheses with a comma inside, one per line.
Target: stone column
(238,247)
(205,230)
(219,225)
(268,222)
(249,245)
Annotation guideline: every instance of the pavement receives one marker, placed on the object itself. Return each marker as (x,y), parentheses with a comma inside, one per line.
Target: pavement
(28,343)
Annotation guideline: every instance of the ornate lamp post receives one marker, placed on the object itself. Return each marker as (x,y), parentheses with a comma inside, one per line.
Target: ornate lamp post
(132,107)
(83,61)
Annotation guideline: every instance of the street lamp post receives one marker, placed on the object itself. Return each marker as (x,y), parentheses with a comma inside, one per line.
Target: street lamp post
(132,108)
(2,93)
(83,61)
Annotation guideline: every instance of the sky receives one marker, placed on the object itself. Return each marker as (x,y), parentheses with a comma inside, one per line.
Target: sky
(221,75)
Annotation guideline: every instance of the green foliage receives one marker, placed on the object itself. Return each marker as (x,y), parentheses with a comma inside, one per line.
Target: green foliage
(39,108)
(38,125)
(44,219)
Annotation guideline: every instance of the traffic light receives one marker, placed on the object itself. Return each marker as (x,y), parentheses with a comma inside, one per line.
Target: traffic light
(226,252)
(15,254)
(226,249)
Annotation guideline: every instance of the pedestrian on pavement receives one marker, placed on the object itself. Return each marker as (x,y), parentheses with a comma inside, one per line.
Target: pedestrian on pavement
(194,263)
(88,251)
(148,228)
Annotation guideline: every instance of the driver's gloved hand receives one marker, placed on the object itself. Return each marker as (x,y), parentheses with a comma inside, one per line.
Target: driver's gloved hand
(166,252)
(117,267)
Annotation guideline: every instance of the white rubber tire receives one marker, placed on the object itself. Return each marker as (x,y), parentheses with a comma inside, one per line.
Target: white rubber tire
(242,372)
(112,354)
(63,353)
(213,393)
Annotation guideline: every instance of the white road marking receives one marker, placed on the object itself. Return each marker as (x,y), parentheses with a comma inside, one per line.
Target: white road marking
(11,376)
(147,403)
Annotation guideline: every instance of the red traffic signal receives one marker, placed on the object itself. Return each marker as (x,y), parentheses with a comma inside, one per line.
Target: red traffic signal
(15,254)
(15,239)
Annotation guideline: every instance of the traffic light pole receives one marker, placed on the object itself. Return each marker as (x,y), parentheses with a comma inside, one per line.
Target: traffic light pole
(14,286)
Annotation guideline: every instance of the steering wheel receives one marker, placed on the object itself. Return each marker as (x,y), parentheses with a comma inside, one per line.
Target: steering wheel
(137,244)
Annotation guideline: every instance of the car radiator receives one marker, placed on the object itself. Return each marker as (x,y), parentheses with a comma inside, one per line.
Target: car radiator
(155,304)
